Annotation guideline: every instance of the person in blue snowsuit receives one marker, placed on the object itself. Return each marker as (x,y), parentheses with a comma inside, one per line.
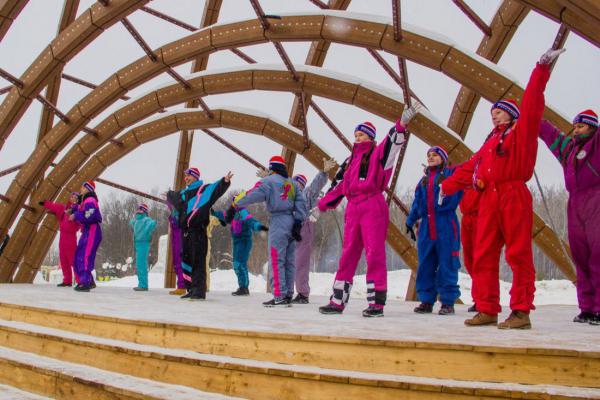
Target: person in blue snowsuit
(287,209)
(143,226)
(438,245)
(242,227)
(193,205)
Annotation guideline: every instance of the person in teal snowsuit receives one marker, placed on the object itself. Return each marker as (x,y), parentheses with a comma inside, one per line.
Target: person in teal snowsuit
(143,226)
(242,227)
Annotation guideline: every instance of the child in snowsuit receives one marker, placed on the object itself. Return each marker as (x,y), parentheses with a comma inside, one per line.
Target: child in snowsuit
(89,216)
(193,205)
(579,155)
(183,280)
(67,243)
(469,207)
(304,248)
(143,226)
(287,210)
(367,173)
(439,240)
(501,169)
(242,227)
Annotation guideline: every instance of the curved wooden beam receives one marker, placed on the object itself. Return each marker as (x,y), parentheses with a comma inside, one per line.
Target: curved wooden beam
(9,11)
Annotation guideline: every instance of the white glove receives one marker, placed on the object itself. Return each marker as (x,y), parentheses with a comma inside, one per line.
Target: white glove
(328,165)
(262,173)
(409,113)
(548,57)
(441,196)
(314,214)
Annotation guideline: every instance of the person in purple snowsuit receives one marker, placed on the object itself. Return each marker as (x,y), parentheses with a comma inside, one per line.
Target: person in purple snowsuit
(88,215)
(579,155)
(366,175)
(304,248)
(183,281)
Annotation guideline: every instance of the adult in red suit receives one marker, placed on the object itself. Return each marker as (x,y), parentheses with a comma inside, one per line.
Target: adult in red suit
(501,169)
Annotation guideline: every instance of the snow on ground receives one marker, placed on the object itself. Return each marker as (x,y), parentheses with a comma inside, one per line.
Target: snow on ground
(548,292)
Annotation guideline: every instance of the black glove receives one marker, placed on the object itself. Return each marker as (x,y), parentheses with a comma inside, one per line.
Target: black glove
(296,231)
(229,214)
(410,230)
(263,228)
(41,203)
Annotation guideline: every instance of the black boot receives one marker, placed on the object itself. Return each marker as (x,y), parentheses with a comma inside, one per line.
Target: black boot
(372,311)
(197,295)
(187,295)
(285,302)
(64,285)
(330,309)
(424,308)
(243,291)
(81,288)
(473,308)
(300,299)
(446,310)
(595,320)
(583,317)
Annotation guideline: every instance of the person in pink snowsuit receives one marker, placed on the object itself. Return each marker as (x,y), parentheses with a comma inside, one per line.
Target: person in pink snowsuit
(366,175)
(579,155)
(67,243)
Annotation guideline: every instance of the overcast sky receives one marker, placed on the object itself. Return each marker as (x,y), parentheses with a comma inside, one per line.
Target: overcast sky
(574,85)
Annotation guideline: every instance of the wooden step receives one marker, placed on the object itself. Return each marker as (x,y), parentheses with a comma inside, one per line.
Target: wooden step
(257,379)
(63,380)
(11,393)
(525,365)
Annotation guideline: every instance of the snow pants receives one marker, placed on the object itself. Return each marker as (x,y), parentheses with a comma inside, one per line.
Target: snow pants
(365,227)
(241,251)
(141,263)
(584,238)
(303,252)
(439,262)
(505,218)
(85,255)
(182,283)
(468,232)
(193,257)
(282,255)
(67,246)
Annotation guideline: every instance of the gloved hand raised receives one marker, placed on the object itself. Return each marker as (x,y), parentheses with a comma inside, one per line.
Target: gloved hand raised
(411,231)
(262,173)
(549,56)
(328,165)
(407,115)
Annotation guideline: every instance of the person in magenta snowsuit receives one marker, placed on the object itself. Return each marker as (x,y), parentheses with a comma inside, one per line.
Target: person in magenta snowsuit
(439,237)
(579,155)
(366,175)
(88,215)
(67,243)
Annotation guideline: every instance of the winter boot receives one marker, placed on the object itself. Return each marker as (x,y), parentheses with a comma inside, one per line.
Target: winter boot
(93,284)
(300,299)
(446,310)
(187,295)
(64,284)
(482,319)
(473,308)
(81,288)
(331,309)
(595,320)
(424,308)
(140,289)
(516,320)
(243,291)
(376,298)
(285,302)
(583,317)
(372,311)
(178,292)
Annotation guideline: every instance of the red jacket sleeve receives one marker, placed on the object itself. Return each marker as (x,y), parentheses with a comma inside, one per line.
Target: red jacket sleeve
(462,178)
(57,209)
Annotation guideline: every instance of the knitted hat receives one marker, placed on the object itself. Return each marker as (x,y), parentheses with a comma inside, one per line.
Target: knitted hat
(276,161)
(301,179)
(367,128)
(195,172)
(586,117)
(90,186)
(76,194)
(508,105)
(439,151)
(143,208)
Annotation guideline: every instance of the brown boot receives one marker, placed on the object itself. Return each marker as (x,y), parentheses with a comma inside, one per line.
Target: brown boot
(482,319)
(177,292)
(516,320)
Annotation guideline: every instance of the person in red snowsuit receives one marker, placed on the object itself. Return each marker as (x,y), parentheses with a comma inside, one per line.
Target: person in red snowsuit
(501,169)
(67,244)
(469,207)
